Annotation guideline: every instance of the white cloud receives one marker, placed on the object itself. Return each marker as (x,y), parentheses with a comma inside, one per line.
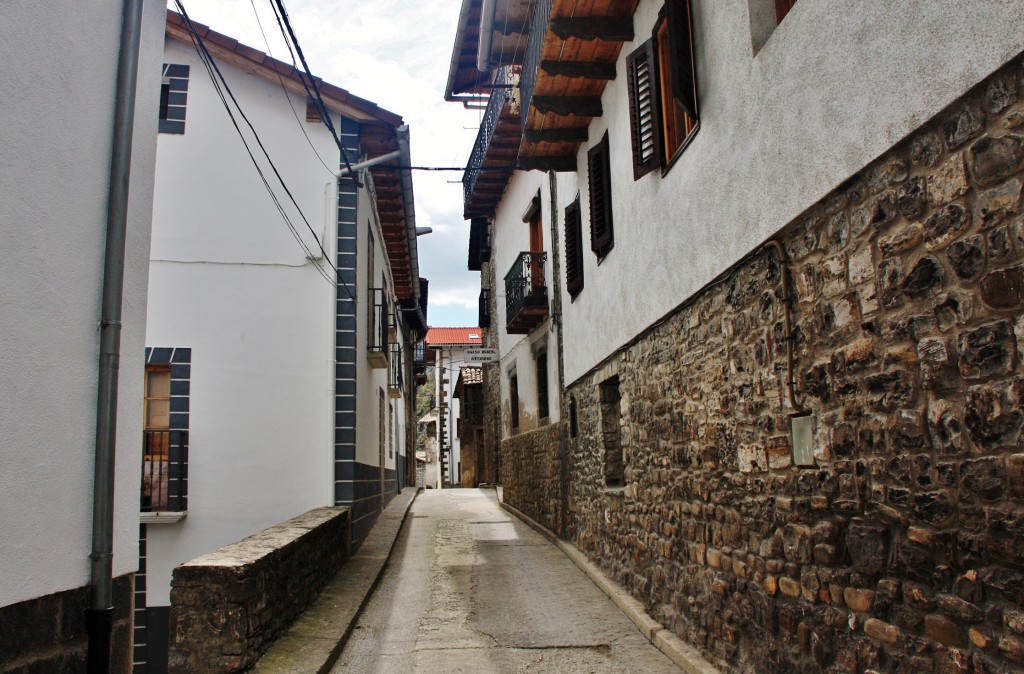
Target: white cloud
(395,53)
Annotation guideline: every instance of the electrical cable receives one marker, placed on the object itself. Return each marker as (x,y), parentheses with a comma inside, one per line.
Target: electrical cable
(288,95)
(214,71)
(325,115)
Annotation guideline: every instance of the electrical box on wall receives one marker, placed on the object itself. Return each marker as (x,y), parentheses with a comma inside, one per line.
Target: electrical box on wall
(802,439)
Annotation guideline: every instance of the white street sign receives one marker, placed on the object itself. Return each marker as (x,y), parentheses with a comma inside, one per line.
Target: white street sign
(481,355)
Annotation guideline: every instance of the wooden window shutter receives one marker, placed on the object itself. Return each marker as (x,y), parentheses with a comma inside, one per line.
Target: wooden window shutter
(644,119)
(782,8)
(312,110)
(599,170)
(680,60)
(573,248)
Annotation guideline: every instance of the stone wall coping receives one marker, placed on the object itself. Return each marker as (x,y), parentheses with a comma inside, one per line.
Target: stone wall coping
(266,542)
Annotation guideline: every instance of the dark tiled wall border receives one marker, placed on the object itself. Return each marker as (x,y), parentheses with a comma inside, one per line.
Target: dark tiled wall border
(176,75)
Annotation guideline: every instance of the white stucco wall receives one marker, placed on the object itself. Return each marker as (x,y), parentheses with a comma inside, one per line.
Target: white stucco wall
(57,84)
(511,237)
(836,85)
(229,281)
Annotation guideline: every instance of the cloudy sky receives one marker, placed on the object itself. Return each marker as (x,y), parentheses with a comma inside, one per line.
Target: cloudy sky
(395,53)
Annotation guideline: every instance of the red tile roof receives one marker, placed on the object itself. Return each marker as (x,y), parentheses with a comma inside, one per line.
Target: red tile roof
(454,336)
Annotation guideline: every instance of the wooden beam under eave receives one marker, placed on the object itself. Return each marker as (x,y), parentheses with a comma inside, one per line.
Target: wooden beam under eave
(556,163)
(580,106)
(607,28)
(578,134)
(579,69)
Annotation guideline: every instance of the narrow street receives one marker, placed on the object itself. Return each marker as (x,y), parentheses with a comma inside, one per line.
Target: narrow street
(470,588)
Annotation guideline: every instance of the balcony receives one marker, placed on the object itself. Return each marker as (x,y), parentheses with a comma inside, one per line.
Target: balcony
(497,143)
(379,328)
(526,293)
(396,376)
(164,474)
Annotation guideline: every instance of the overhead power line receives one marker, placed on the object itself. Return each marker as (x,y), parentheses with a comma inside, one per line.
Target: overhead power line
(220,85)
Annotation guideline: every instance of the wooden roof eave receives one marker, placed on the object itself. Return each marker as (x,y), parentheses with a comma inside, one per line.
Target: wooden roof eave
(577,61)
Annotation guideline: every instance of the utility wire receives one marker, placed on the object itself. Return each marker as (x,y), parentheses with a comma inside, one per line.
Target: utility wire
(288,95)
(215,74)
(325,115)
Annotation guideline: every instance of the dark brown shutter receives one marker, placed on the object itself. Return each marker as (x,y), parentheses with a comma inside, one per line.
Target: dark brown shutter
(573,248)
(782,8)
(680,36)
(644,119)
(599,169)
(312,110)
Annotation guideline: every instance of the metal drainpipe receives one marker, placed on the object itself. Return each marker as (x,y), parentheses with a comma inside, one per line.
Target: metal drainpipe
(556,320)
(99,617)
(483,54)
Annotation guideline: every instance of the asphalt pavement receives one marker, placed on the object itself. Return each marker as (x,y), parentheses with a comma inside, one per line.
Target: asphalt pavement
(470,588)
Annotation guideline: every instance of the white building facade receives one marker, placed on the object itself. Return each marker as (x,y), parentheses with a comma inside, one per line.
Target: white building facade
(54,181)
(780,232)
(278,353)
(448,346)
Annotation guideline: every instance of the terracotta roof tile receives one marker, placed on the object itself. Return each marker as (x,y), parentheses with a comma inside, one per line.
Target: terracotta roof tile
(455,336)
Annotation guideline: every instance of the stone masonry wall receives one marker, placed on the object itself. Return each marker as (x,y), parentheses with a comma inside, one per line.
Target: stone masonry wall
(902,548)
(227,607)
(48,634)
(530,468)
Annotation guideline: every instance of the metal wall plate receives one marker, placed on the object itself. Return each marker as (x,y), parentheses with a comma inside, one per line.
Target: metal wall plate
(802,439)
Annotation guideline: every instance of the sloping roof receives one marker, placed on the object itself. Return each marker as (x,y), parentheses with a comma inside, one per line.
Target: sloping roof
(469,375)
(454,336)
(259,63)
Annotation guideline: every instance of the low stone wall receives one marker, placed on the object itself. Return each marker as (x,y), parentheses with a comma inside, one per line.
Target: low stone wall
(899,547)
(532,477)
(48,634)
(228,606)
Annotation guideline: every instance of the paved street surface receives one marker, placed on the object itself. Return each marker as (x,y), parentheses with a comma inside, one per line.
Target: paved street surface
(470,588)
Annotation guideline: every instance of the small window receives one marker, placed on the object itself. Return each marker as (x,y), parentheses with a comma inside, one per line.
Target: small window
(542,385)
(573,249)
(662,84)
(611,432)
(173,98)
(158,397)
(312,110)
(513,394)
(574,421)
(602,237)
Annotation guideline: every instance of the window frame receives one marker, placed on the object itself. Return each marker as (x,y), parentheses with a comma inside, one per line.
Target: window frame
(574,274)
(602,227)
(661,79)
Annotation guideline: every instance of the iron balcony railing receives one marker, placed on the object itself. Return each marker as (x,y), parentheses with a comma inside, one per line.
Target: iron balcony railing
(531,61)
(503,91)
(525,285)
(379,322)
(396,376)
(164,471)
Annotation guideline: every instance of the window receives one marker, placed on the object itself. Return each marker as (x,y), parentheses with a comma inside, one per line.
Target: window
(165,431)
(602,237)
(542,385)
(513,394)
(574,421)
(173,97)
(662,85)
(611,432)
(573,249)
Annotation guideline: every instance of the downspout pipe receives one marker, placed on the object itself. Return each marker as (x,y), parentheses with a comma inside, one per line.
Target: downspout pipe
(99,617)
(483,54)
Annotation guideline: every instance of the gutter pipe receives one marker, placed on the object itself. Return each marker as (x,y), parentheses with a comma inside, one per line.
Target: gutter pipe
(483,54)
(409,204)
(348,170)
(99,618)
